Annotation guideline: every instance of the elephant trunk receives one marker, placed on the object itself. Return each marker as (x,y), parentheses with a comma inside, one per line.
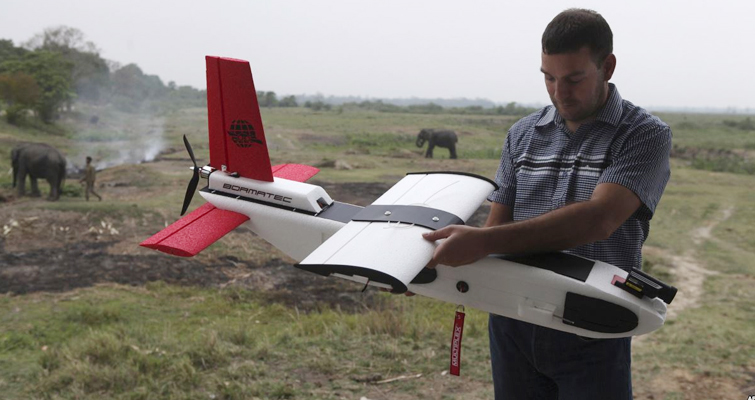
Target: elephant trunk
(420,142)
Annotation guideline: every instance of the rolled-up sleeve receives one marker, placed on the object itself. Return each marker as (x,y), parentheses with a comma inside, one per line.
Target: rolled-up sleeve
(505,177)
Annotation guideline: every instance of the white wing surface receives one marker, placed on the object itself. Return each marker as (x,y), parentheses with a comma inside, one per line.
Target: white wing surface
(383,244)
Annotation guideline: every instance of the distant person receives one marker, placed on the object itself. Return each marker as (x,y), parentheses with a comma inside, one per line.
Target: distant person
(583,176)
(89,176)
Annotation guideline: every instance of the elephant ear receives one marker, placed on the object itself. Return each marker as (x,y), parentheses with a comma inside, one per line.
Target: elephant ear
(421,138)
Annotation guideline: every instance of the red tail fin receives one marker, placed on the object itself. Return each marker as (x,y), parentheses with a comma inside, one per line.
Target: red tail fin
(237,138)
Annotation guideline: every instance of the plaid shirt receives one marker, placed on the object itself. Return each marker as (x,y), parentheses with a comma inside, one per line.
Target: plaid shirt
(544,167)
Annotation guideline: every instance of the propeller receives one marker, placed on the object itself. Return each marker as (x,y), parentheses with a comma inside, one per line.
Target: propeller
(194,178)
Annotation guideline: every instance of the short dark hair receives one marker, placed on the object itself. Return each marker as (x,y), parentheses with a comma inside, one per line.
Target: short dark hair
(575,28)
(89,159)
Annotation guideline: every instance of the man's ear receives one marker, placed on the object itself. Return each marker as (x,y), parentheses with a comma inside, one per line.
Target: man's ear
(609,65)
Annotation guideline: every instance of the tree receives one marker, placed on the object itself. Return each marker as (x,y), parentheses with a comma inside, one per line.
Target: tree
(20,92)
(90,73)
(52,74)
(61,39)
(317,105)
(288,101)
(8,51)
(131,87)
(267,99)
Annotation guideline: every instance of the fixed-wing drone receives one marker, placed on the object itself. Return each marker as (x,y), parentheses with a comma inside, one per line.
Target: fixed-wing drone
(381,244)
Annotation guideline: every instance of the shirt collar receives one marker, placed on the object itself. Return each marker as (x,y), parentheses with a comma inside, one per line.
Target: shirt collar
(610,113)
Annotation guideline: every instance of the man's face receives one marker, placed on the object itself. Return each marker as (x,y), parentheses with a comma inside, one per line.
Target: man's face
(576,86)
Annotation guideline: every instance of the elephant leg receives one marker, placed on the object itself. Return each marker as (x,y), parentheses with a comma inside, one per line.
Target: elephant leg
(21,182)
(34,187)
(452,149)
(429,153)
(58,191)
(54,193)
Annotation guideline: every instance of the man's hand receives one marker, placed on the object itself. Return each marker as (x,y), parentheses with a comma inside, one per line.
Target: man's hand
(463,245)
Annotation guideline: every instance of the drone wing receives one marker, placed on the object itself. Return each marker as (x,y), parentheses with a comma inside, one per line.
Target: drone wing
(383,243)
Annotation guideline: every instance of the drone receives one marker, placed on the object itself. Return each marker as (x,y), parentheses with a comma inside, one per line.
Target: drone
(381,244)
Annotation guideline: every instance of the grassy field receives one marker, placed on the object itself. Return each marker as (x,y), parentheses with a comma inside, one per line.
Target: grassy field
(160,341)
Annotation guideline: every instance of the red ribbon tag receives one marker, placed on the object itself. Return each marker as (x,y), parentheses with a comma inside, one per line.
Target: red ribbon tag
(456,342)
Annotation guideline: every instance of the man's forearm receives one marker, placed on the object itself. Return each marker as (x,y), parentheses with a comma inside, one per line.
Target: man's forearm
(574,225)
(564,228)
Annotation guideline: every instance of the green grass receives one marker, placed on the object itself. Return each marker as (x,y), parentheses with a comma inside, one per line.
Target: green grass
(190,343)
(715,338)
(708,131)
(163,341)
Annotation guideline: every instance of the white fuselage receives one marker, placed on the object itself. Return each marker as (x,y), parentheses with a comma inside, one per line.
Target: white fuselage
(286,214)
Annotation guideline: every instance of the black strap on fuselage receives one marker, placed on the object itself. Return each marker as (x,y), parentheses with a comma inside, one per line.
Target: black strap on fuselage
(430,218)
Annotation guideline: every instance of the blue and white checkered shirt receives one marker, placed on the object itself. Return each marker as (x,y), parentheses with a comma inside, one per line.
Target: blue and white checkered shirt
(545,167)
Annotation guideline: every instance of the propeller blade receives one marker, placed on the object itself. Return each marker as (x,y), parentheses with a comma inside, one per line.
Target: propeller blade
(194,178)
(191,152)
(190,191)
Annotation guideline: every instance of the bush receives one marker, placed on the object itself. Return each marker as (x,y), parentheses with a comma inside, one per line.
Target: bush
(72,190)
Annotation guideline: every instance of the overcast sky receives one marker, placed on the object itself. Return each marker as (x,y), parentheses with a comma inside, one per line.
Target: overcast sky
(670,53)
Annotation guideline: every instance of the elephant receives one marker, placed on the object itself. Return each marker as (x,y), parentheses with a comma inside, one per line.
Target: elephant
(436,137)
(39,161)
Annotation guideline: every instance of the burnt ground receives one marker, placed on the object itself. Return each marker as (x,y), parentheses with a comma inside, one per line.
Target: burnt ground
(55,251)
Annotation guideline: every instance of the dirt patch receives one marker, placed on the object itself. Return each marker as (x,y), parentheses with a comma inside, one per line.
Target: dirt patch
(689,273)
(361,194)
(683,384)
(87,263)
(84,264)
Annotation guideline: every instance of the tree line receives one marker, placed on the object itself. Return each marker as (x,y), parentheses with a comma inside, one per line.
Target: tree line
(58,67)
(269,99)
(511,108)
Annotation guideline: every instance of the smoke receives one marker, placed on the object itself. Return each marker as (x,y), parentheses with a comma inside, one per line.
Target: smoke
(142,148)
(117,139)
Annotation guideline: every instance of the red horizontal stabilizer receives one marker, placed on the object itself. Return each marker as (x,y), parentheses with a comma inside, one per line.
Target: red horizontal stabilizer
(294,172)
(237,137)
(194,232)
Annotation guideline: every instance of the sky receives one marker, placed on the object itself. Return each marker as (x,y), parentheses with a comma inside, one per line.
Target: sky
(686,54)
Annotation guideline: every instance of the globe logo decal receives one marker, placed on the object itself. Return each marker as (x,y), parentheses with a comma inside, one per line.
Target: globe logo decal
(242,133)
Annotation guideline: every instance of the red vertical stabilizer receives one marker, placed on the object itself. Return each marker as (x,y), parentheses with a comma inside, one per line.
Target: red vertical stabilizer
(237,138)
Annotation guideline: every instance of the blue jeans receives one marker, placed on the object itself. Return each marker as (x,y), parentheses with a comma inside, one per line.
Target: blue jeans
(533,362)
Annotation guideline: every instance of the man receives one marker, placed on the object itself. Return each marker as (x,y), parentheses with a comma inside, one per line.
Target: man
(89,176)
(583,176)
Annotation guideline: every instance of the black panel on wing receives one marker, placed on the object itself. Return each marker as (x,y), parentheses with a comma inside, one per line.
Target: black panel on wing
(340,212)
(327,269)
(430,218)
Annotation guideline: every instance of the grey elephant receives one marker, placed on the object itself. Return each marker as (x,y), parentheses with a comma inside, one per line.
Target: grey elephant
(437,137)
(38,161)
